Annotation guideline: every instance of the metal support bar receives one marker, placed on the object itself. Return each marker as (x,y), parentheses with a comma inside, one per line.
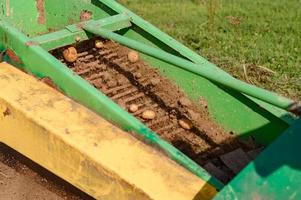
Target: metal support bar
(68,35)
(209,73)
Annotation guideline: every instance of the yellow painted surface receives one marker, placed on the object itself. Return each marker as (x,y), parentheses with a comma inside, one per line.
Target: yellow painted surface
(84,149)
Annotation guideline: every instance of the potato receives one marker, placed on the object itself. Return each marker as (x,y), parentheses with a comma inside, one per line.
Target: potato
(148,114)
(70,54)
(99,44)
(133,56)
(185,124)
(133,108)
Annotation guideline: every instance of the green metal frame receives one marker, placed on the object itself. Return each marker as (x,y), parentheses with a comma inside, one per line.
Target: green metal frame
(31,41)
(67,36)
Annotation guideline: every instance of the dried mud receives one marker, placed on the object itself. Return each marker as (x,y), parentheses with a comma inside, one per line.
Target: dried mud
(22,179)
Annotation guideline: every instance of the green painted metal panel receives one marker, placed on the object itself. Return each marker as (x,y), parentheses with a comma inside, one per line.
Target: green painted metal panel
(34,17)
(27,22)
(62,13)
(275,173)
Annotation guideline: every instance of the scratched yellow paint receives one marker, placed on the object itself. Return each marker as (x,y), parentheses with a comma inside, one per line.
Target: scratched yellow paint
(84,149)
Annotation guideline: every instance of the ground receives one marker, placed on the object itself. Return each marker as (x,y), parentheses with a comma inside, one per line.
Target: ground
(22,179)
(256,41)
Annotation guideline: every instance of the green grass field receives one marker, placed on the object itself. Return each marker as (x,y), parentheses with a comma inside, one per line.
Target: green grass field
(258,41)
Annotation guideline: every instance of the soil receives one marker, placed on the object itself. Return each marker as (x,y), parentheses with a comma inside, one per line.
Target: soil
(178,120)
(21,179)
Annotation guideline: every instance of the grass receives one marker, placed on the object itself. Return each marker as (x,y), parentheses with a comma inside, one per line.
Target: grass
(254,40)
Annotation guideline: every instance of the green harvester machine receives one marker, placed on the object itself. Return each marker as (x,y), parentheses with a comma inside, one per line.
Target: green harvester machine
(32,30)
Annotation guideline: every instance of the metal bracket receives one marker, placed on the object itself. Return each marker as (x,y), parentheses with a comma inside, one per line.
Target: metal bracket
(67,36)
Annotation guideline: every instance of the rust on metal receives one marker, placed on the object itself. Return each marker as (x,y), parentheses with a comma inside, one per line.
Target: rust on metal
(85,15)
(48,81)
(41,11)
(13,57)
(31,43)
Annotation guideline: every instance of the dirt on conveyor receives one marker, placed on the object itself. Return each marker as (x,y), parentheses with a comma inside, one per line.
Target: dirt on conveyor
(160,105)
(21,179)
